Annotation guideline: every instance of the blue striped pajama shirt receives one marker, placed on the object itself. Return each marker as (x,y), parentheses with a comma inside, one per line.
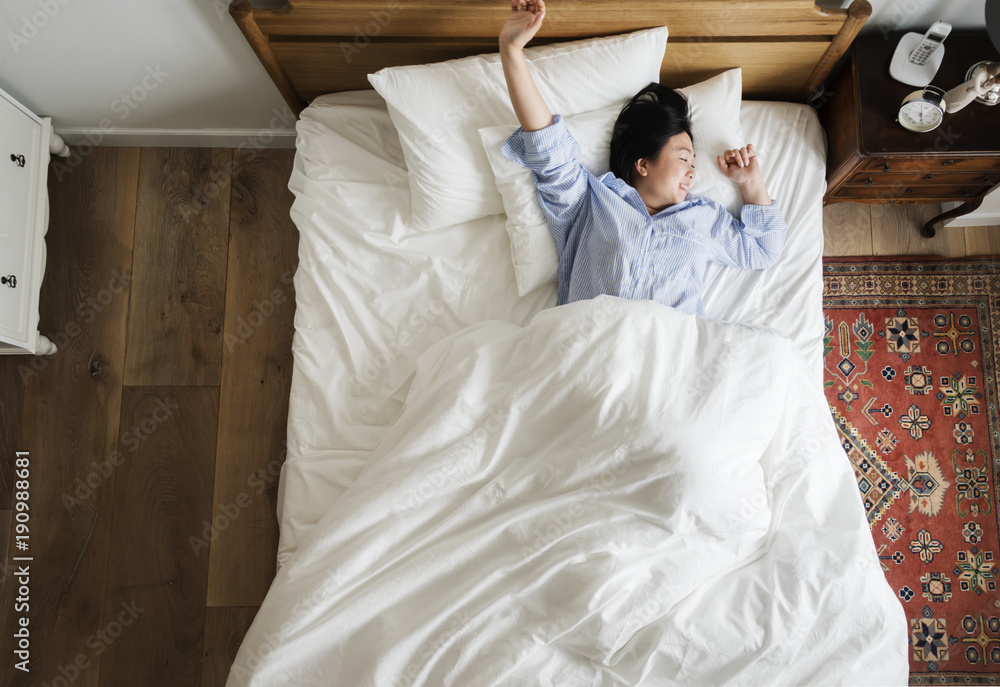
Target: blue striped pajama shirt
(608,243)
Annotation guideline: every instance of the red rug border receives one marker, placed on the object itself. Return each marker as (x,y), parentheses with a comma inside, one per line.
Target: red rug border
(906,265)
(911,258)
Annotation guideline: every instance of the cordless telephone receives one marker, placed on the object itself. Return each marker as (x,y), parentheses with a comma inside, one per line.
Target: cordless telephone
(918,57)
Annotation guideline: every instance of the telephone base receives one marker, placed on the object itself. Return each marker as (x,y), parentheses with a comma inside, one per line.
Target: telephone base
(901,69)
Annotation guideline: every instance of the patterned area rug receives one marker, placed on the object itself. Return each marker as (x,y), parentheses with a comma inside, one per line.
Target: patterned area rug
(911,365)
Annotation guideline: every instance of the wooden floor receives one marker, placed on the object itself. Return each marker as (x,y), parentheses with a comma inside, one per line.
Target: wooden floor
(156,432)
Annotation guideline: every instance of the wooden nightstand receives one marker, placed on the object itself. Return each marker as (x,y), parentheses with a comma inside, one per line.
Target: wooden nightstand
(872,159)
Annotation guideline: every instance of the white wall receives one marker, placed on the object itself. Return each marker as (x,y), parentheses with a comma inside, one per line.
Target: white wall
(914,15)
(153,72)
(179,72)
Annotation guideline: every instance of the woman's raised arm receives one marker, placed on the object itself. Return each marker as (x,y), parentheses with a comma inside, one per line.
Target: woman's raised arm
(522,25)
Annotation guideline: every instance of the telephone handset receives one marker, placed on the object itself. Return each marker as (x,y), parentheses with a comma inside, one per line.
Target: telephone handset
(932,40)
(917,58)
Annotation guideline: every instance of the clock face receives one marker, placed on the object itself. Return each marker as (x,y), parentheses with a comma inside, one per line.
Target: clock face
(920,115)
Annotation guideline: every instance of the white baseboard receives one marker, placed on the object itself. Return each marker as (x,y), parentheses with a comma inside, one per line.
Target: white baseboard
(180,138)
(987,215)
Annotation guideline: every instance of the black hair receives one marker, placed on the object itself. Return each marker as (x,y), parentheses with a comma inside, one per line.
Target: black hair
(648,120)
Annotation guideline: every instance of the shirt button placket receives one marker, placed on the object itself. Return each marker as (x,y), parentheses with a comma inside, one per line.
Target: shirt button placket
(639,277)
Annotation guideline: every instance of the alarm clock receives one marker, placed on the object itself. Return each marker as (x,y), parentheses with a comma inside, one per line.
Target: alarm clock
(922,110)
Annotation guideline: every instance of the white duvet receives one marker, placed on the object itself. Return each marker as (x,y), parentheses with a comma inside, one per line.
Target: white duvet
(614,494)
(372,294)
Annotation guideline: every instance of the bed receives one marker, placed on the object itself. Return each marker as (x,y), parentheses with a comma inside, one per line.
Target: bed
(483,489)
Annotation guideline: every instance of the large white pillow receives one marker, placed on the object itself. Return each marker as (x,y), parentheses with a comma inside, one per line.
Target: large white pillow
(715,123)
(714,109)
(438,109)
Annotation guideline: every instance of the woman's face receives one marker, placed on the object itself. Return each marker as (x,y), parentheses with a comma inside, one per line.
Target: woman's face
(665,181)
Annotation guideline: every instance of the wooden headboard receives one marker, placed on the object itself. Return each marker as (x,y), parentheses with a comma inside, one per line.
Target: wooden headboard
(785,47)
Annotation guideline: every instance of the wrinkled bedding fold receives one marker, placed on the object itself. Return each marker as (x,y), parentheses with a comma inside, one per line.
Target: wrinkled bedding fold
(615,493)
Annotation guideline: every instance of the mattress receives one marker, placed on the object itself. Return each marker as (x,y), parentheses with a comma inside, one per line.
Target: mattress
(372,295)
(483,489)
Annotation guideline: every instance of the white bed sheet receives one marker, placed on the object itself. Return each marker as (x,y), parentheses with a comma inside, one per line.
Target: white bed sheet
(372,294)
(616,494)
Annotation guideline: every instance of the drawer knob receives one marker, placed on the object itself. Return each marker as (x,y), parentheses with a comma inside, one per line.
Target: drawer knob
(885,167)
(869,182)
(947,162)
(10,281)
(928,176)
(17,159)
(911,189)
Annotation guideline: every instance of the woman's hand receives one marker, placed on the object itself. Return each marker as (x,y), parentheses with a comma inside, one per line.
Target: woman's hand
(523,23)
(740,164)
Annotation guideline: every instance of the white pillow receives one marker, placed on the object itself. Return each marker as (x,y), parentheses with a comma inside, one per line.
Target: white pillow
(437,110)
(714,110)
(715,123)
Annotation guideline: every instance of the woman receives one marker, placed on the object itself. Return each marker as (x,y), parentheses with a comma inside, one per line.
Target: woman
(634,232)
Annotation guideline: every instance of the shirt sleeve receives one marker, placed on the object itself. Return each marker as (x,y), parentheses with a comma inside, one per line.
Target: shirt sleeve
(752,242)
(552,155)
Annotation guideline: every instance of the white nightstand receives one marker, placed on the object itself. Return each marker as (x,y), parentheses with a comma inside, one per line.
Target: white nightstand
(25,144)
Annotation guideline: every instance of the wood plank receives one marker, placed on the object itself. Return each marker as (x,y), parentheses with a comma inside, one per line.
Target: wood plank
(769,68)
(163,497)
(71,413)
(979,240)
(11,402)
(225,629)
(242,15)
(179,285)
(256,378)
(858,13)
(896,231)
(847,230)
(571,18)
